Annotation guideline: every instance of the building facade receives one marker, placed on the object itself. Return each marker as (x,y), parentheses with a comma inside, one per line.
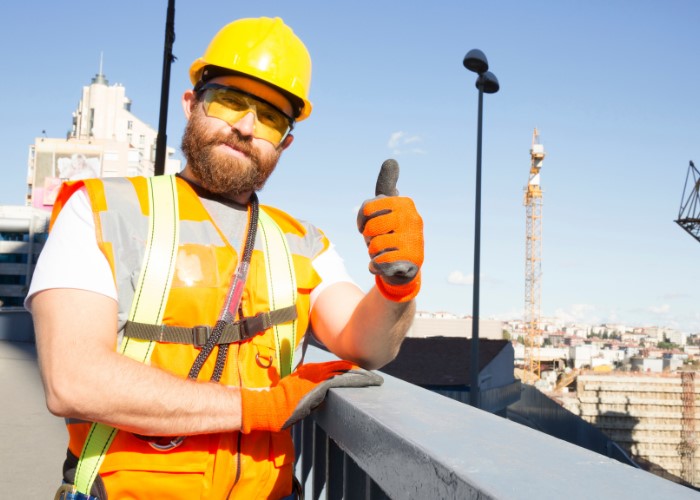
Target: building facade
(106,140)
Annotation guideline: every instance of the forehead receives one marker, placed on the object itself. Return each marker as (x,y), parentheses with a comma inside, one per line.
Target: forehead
(258,89)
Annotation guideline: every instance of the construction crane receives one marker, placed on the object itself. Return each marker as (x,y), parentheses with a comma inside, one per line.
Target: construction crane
(533,262)
(689,213)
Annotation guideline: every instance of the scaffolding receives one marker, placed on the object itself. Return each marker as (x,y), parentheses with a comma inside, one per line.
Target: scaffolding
(688,445)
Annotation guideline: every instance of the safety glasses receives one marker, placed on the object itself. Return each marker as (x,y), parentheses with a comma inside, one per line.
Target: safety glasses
(231,104)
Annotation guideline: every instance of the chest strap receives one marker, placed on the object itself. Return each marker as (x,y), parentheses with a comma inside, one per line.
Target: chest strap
(198,335)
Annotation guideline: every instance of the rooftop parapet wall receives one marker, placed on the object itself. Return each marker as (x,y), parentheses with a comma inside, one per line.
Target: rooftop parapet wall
(401,441)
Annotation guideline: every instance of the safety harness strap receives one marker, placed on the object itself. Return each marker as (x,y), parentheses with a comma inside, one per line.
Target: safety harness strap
(282,293)
(198,335)
(149,303)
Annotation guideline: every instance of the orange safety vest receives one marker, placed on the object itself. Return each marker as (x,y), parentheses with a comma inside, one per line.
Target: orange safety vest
(222,465)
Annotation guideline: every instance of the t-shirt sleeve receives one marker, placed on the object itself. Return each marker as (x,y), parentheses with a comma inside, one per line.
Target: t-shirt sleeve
(331,269)
(70,257)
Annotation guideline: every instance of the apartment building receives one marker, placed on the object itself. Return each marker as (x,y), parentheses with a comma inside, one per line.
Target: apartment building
(106,140)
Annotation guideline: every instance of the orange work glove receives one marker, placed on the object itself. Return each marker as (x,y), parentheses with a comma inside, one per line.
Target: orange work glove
(298,394)
(393,231)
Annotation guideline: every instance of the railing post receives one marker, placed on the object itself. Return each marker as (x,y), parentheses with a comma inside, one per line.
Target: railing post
(375,492)
(319,461)
(355,481)
(304,445)
(334,471)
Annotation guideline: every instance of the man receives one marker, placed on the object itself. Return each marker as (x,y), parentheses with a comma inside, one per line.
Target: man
(182,346)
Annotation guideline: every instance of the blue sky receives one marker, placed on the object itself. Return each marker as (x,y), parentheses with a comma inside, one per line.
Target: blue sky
(612,86)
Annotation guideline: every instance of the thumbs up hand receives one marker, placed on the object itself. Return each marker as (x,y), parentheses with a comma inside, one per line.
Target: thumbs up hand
(393,231)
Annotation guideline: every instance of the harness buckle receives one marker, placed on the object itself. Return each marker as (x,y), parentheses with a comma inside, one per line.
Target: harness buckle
(68,492)
(63,491)
(255,324)
(200,335)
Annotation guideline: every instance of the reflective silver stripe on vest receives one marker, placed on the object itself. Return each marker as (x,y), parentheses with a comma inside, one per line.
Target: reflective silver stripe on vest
(125,227)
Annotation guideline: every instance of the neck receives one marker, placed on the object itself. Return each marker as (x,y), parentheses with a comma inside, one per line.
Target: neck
(240,198)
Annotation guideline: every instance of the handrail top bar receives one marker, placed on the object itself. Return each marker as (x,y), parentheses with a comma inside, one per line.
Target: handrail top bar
(418,444)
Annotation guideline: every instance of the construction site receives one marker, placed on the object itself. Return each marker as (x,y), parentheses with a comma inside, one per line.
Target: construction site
(653,417)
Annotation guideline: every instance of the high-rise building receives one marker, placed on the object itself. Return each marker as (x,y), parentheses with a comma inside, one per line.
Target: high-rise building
(106,140)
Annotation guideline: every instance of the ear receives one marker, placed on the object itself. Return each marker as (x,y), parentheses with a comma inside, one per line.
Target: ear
(189,100)
(286,142)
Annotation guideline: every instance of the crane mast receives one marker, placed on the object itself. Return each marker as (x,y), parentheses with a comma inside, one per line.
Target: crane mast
(533,262)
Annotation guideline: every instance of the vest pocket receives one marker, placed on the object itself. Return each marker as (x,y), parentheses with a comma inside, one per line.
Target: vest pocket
(131,453)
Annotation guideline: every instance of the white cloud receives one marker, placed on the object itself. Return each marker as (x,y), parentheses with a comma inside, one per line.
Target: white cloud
(457,278)
(395,140)
(575,313)
(401,143)
(662,309)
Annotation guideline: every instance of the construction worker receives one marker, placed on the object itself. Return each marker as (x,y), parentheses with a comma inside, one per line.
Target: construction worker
(170,311)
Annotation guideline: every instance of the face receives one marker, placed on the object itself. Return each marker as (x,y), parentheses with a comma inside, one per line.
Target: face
(228,159)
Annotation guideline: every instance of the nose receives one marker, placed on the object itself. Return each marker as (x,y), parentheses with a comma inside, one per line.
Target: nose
(246,125)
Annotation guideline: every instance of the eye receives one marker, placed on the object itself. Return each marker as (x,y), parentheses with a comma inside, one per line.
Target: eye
(232,100)
(272,118)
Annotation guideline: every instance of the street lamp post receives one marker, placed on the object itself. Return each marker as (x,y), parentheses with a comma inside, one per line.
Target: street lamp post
(487,83)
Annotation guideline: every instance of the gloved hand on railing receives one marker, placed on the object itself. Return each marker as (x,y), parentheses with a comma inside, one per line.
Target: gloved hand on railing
(298,394)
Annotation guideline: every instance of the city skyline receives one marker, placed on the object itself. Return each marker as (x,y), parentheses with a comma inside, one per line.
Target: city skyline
(611,87)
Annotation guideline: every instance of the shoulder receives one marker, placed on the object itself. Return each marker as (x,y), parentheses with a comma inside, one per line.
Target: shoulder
(301,234)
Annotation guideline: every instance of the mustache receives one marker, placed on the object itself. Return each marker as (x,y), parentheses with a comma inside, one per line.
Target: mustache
(234,140)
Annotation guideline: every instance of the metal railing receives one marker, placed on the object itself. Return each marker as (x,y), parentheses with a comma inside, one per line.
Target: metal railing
(402,441)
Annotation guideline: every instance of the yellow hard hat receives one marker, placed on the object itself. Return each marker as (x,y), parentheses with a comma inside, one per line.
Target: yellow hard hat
(264,48)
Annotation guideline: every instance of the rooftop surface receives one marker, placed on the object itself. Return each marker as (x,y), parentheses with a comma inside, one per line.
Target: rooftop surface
(32,441)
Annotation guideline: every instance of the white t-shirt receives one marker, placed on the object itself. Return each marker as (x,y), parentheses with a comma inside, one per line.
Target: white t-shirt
(71,258)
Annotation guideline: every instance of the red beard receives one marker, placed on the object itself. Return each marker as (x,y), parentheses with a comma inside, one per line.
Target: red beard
(219,172)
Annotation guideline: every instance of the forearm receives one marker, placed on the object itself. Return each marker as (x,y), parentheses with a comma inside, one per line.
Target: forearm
(84,377)
(373,335)
(366,329)
(129,395)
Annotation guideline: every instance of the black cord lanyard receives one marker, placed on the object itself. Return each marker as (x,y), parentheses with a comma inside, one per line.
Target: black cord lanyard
(233,300)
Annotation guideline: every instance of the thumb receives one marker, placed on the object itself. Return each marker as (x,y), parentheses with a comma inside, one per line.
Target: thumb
(388,177)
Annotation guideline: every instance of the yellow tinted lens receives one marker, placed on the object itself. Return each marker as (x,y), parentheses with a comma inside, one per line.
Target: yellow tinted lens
(230,106)
(218,109)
